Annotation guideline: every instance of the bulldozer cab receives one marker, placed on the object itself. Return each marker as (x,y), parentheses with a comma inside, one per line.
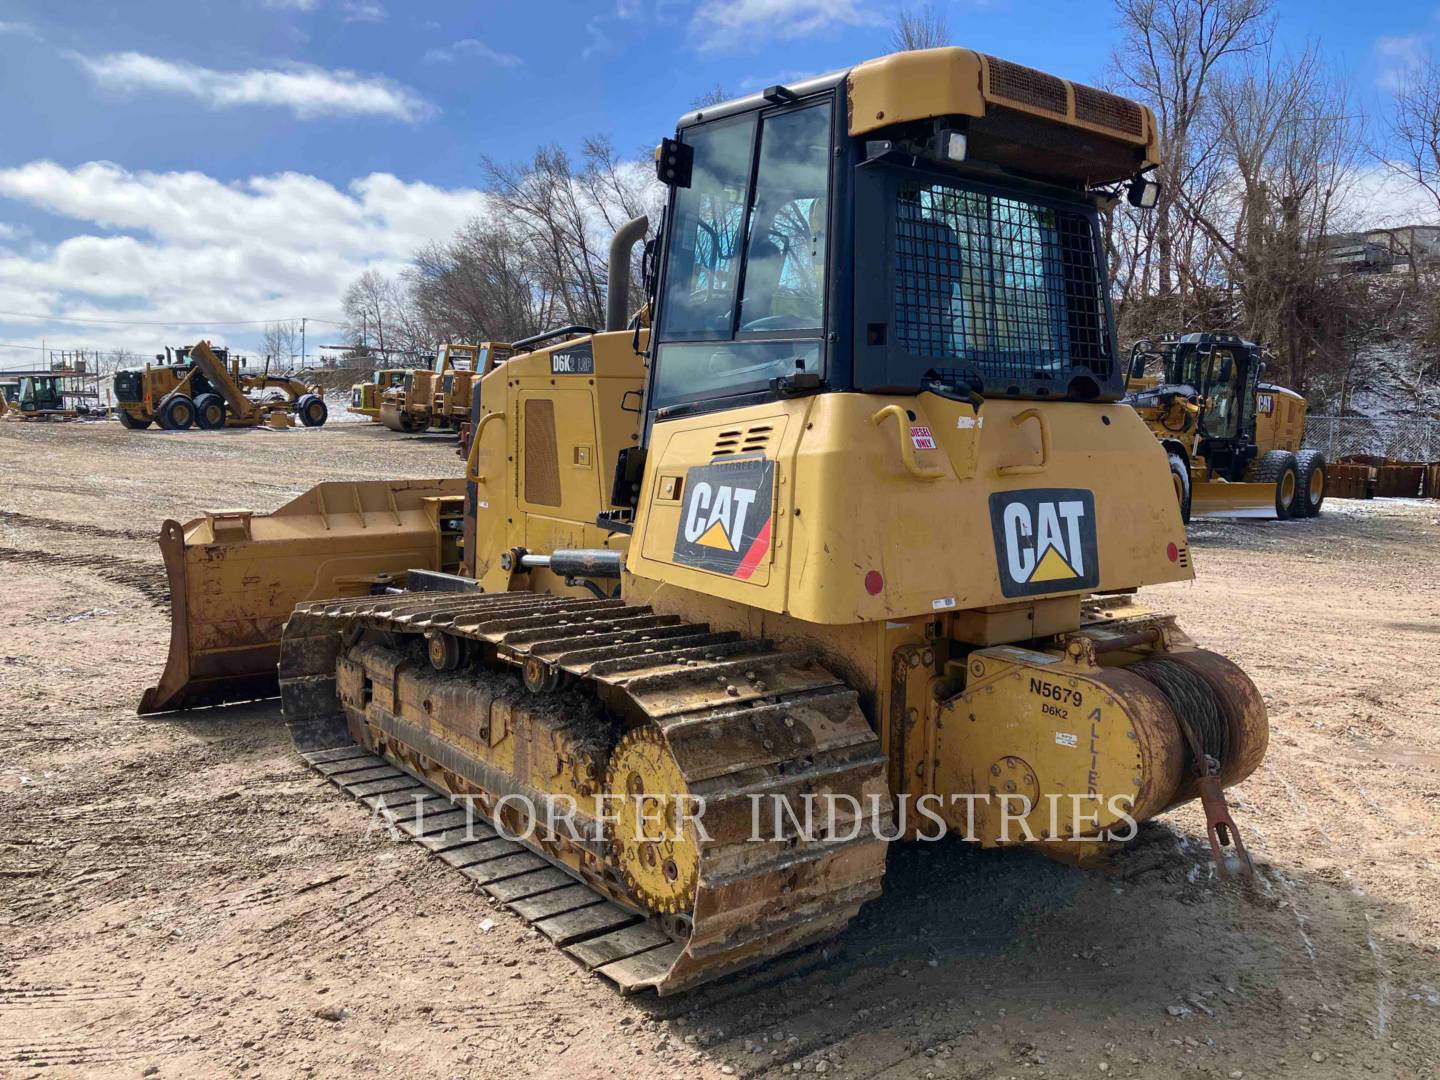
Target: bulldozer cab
(40,393)
(970,283)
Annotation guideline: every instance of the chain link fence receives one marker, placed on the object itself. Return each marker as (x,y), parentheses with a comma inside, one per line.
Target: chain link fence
(1398,440)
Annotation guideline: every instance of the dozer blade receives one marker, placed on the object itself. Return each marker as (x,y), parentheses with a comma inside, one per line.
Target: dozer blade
(235,577)
(1215,498)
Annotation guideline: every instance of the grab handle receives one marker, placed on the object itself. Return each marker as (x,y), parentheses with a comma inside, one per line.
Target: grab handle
(1024,470)
(907,451)
(473,458)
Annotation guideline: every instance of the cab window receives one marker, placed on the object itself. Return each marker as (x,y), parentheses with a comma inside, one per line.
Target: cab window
(785,266)
(705,246)
(732,325)
(1221,415)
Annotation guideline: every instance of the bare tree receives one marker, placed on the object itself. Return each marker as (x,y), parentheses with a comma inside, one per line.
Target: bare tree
(919,28)
(1288,138)
(564,218)
(1169,53)
(479,286)
(1414,129)
(714,96)
(380,314)
(281,341)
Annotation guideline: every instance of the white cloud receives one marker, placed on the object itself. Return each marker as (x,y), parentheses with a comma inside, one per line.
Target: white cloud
(731,24)
(19,29)
(290,5)
(1398,55)
(308,92)
(473,48)
(1378,198)
(184,245)
(363,11)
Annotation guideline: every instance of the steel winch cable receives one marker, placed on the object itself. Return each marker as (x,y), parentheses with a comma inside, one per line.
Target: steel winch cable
(1193,701)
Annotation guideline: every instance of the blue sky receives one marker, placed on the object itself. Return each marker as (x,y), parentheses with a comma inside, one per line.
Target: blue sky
(246,159)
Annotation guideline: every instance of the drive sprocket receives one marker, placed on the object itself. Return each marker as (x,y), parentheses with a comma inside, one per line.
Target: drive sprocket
(655,843)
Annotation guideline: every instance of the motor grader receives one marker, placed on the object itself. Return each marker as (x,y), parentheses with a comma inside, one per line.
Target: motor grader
(208,388)
(365,396)
(850,514)
(1233,441)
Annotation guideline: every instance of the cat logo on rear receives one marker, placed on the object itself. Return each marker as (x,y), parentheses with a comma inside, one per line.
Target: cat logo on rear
(1045,540)
(725,520)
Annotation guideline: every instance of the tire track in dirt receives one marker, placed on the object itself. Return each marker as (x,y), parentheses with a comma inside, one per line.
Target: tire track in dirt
(146,578)
(75,528)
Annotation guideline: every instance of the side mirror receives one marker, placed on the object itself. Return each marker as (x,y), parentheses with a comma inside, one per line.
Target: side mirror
(1143,193)
(1140,354)
(674,163)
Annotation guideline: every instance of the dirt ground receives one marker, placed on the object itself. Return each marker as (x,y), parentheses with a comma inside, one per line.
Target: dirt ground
(181,897)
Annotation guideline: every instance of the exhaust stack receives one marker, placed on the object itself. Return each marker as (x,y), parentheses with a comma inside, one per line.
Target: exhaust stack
(617,299)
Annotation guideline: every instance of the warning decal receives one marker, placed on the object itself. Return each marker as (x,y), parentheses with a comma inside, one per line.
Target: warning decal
(725,521)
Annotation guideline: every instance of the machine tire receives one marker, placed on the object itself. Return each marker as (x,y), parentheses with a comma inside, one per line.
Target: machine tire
(210,411)
(177,412)
(312,410)
(1278,467)
(129,423)
(1311,481)
(1180,476)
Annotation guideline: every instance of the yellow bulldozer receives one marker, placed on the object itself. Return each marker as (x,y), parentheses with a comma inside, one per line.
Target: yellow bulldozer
(365,396)
(438,398)
(792,537)
(209,388)
(1233,441)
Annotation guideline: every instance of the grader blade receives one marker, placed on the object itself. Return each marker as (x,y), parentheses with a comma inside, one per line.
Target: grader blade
(1216,498)
(235,577)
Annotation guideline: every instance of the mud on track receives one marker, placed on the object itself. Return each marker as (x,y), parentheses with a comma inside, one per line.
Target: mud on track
(183,893)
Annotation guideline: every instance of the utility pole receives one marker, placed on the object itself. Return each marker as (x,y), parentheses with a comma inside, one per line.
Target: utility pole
(302,342)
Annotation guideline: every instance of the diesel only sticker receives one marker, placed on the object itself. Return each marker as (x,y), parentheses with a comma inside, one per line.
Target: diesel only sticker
(577,361)
(725,518)
(1045,540)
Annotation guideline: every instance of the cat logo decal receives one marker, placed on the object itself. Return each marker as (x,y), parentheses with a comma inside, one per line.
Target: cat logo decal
(725,519)
(1045,540)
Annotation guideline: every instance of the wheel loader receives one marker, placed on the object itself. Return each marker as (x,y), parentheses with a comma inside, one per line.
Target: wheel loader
(208,388)
(849,516)
(365,396)
(1233,441)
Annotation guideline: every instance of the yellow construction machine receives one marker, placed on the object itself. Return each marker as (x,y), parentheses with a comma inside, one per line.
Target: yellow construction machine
(849,517)
(210,389)
(1234,442)
(438,398)
(365,396)
(57,393)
